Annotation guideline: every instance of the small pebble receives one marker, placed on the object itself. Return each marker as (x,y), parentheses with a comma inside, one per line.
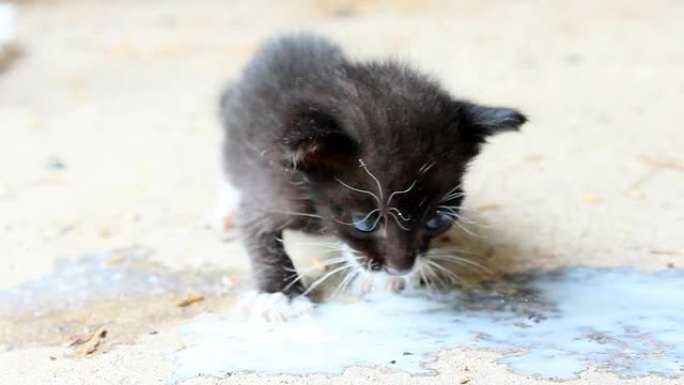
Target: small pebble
(115,260)
(189,300)
(534,158)
(486,206)
(591,198)
(104,232)
(55,163)
(635,193)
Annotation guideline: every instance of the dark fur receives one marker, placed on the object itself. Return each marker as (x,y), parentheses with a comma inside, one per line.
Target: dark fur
(301,118)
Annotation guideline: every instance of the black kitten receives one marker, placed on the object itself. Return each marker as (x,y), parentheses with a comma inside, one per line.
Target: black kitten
(372,153)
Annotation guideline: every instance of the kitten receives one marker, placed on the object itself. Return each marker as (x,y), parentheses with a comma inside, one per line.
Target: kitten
(370,152)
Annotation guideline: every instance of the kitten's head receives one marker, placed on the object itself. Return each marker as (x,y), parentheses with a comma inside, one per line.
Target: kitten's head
(386,177)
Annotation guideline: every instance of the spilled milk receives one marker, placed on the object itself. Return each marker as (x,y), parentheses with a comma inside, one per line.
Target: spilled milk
(551,325)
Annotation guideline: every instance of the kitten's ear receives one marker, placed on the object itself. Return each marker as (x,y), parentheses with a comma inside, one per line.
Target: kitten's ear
(318,143)
(483,121)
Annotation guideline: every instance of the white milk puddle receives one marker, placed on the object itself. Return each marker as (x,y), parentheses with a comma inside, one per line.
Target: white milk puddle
(554,326)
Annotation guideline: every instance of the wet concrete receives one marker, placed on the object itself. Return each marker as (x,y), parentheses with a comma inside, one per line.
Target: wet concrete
(122,290)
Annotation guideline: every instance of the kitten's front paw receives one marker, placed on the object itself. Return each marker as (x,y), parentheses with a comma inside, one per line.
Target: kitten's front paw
(273,307)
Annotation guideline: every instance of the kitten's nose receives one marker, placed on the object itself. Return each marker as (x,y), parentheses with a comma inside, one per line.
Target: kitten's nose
(399,264)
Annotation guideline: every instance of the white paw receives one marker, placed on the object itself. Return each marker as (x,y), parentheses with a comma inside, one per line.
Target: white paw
(273,307)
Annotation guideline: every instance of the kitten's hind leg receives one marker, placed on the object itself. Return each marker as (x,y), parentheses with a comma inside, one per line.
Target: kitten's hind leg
(223,216)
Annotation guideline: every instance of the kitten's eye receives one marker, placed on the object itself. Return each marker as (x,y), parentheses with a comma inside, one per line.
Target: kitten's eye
(365,223)
(438,222)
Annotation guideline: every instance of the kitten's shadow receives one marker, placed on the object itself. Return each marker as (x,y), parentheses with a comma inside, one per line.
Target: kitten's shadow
(486,251)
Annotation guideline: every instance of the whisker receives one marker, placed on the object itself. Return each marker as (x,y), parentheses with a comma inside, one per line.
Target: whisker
(346,281)
(420,272)
(320,280)
(375,224)
(296,213)
(457,215)
(450,209)
(453,193)
(302,272)
(426,167)
(469,232)
(377,182)
(453,277)
(389,199)
(327,245)
(460,261)
(361,220)
(438,250)
(455,220)
(453,196)
(461,208)
(294,270)
(358,190)
(324,264)
(422,201)
(401,215)
(295,278)
(396,219)
(415,273)
(456,211)
(433,274)
(427,279)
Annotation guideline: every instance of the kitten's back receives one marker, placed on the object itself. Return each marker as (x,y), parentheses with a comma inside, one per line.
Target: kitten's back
(285,62)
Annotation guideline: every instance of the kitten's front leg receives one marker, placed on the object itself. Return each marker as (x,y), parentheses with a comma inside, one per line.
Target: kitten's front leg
(279,295)
(273,269)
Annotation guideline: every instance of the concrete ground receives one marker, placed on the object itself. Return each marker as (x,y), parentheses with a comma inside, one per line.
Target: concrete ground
(109,138)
